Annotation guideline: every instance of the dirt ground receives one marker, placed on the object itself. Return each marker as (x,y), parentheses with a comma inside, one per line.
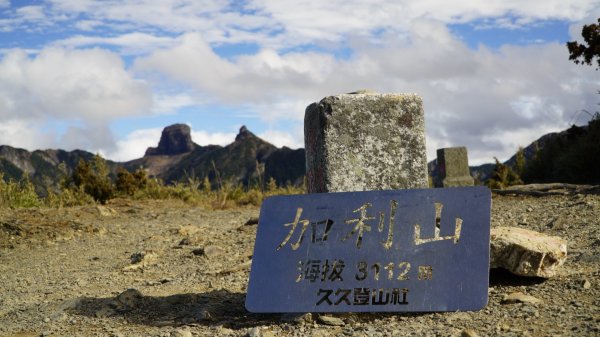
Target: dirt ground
(167,269)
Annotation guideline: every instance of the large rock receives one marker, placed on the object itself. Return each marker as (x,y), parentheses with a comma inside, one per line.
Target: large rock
(365,141)
(525,252)
(175,139)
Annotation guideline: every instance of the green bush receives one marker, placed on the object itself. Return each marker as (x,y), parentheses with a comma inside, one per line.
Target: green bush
(18,194)
(503,176)
(93,179)
(128,183)
(90,182)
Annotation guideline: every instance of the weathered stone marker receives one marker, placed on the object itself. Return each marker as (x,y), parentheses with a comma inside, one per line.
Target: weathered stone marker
(386,251)
(453,168)
(365,141)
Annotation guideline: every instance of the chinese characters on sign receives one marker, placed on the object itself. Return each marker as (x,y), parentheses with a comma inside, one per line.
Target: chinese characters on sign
(407,250)
(360,227)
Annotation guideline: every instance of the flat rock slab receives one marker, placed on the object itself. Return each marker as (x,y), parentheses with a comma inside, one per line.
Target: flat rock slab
(365,141)
(525,252)
(519,297)
(376,251)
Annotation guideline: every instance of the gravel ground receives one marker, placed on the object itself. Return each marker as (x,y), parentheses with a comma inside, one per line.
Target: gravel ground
(166,269)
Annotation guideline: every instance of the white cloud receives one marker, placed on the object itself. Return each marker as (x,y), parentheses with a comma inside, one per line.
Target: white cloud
(31,13)
(283,138)
(134,145)
(204,138)
(167,103)
(277,23)
(485,99)
(69,84)
(84,89)
(130,44)
(24,134)
(469,94)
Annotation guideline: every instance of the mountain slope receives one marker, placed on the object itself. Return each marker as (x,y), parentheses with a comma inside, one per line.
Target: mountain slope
(247,160)
(46,168)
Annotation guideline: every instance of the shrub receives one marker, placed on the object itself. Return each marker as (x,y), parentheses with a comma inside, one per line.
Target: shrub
(503,176)
(128,183)
(16,194)
(93,179)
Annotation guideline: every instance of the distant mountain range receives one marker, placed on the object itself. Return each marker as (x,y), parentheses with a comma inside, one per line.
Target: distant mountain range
(248,160)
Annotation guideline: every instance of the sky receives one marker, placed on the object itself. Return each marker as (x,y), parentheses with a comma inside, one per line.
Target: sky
(107,76)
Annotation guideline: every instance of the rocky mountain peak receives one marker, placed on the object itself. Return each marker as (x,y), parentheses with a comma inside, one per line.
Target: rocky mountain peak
(244,134)
(175,139)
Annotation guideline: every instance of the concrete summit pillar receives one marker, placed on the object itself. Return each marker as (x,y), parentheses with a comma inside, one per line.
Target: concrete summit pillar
(453,168)
(365,141)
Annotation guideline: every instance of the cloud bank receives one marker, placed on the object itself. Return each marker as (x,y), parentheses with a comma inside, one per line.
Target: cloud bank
(116,59)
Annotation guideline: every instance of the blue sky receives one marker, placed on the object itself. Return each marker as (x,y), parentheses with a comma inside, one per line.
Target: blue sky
(107,76)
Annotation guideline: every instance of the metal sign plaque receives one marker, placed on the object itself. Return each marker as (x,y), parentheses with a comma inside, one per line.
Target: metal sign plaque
(385,251)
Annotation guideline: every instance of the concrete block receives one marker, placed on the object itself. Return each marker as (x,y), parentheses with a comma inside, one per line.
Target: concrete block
(365,141)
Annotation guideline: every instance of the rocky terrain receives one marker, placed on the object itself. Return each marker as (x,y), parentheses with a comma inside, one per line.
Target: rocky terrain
(168,269)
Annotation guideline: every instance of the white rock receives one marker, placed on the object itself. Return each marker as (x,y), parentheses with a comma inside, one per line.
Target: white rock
(526,252)
(181,333)
(519,297)
(329,320)
(105,210)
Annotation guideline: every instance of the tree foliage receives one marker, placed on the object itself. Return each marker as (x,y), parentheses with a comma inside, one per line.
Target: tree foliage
(93,178)
(503,176)
(128,183)
(590,50)
(571,157)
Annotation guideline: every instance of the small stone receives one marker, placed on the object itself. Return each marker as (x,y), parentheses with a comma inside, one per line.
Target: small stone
(468,333)
(330,320)
(525,252)
(46,319)
(45,333)
(205,315)
(519,297)
(105,211)
(576,304)
(105,312)
(254,332)
(210,251)
(130,298)
(585,284)
(143,257)
(188,230)
(185,332)
(297,318)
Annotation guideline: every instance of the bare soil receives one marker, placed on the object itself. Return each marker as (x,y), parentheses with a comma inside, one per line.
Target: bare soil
(156,268)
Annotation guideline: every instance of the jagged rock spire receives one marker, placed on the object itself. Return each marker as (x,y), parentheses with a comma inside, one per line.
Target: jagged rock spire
(175,139)
(244,134)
